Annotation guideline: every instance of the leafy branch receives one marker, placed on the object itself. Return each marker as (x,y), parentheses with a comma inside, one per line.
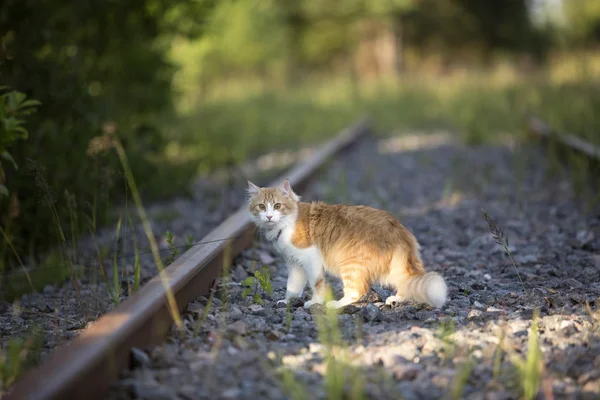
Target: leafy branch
(14,106)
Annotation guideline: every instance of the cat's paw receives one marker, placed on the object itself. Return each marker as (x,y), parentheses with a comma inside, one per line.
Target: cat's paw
(335,304)
(309,303)
(392,300)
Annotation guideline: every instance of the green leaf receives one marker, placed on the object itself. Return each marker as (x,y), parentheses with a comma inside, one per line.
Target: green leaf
(269,288)
(4,190)
(8,123)
(6,155)
(246,292)
(264,278)
(30,103)
(12,100)
(257,299)
(248,281)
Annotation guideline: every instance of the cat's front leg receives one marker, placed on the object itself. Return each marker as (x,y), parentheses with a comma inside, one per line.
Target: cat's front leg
(295,283)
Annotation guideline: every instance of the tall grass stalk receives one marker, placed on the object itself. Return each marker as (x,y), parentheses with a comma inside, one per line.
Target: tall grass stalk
(294,389)
(99,257)
(205,313)
(19,355)
(8,241)
(136,264)
(338,370)
(74,222)
(116,285)
(172,304)
(461,378)
(531,367)
(498,358)
(216,348)
(502,240)
(446,330)
(48,197)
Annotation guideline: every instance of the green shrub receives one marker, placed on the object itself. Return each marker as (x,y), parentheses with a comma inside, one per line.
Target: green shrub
(14,107)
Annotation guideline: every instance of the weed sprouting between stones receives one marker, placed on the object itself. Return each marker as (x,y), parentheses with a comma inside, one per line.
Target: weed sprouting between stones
(253,284)
(502,240)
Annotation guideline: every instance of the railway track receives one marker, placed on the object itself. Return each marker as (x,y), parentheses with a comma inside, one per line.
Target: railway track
(84,368)
(475,347)
(541,129)
(231,347)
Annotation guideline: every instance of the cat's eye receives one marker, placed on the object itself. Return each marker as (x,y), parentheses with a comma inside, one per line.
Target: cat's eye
(277,206)
(262,207)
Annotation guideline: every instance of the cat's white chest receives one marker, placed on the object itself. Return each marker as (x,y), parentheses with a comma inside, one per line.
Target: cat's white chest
(309,258)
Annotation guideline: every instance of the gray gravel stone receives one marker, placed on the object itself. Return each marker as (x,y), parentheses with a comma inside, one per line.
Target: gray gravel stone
(370,312)
(140,358)
(152,391)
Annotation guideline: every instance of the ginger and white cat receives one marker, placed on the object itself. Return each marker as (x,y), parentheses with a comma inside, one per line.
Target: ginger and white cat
(361,245)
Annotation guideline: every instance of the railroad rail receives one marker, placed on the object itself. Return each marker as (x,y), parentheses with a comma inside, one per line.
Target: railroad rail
(84,368)
(540,128)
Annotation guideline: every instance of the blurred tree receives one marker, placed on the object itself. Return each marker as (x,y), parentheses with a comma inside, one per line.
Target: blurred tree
(479,27)
(246,35)
(95,63)
(89,62)
(369,37)
(582,20)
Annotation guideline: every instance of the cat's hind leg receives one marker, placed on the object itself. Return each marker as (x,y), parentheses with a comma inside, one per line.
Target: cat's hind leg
(356,285)
(392,300)
(295,283)
(316,279)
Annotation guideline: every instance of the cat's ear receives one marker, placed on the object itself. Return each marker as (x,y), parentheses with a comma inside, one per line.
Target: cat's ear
(252,189)
(286,189)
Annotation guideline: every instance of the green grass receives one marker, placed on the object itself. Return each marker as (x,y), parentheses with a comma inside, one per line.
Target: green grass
(19,354)
(51,269)
(240,121)
(446,330)
(531,366)
(341,378)
(294,389)
(461,378)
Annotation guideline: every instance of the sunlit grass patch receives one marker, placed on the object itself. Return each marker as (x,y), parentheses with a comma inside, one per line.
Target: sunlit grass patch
(244,119)
(19,354)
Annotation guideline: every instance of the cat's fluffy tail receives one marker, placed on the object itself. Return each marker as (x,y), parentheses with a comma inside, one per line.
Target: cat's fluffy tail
(426,288)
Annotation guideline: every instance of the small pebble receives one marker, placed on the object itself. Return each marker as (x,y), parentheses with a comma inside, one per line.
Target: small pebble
(370,312)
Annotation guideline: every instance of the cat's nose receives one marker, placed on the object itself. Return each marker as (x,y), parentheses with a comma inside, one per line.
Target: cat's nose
(269,217)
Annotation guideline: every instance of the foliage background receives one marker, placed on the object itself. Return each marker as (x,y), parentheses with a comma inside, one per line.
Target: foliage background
(193,85)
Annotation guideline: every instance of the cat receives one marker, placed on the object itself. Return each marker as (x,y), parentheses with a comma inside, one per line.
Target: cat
(360,244)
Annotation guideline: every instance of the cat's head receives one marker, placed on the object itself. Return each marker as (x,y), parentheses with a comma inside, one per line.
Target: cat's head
(272,206)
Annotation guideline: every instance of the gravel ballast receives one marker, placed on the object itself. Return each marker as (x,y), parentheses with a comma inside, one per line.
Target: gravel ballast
(474,347)
(52,317)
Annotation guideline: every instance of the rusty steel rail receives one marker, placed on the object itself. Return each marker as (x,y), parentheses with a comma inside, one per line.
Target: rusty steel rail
(542,129)
(84,368)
